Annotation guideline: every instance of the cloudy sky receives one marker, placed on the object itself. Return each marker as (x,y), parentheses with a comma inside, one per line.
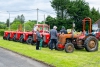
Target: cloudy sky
(28,9)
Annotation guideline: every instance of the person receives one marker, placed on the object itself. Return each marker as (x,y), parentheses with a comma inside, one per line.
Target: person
(53,37)
(38,39)
(63,31)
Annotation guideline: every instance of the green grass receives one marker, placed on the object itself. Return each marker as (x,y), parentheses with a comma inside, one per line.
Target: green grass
(79,58)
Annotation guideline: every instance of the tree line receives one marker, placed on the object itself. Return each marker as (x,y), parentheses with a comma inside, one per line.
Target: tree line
(19,20)
(67,12)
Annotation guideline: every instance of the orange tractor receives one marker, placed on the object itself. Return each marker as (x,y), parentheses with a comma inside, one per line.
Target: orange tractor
(78,41)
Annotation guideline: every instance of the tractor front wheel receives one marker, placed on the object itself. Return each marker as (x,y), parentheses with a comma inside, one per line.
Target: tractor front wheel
(69,48)
(91,44)
(4,38)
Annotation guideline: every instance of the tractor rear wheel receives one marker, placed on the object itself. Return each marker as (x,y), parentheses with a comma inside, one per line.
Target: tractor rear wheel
(8,37)
(33,43)
(91,44)
(69,48)
(21,39)
(14,38)
(29,40)
(49,44)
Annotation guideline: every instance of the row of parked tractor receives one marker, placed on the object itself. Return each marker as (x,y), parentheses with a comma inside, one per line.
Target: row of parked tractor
(29,37)
(65,42)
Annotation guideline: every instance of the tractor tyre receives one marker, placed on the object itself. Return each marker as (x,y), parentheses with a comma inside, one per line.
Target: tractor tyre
(49,44)
(21,39)
(14,38)
(69,48)
(29,40)
(8,37)
(91,44)
(33,43)
(58,48)
(4,38)
(43,43)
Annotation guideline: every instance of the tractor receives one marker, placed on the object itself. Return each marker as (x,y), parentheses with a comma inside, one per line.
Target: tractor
(30,37)
(6,35)
(44,31)
(85,40)
(13,35)
(17,36)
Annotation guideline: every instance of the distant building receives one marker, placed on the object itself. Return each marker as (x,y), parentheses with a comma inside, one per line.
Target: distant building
(98,22)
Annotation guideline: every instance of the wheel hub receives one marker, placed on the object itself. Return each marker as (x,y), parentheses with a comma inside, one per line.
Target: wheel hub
(70,48)
(92,44)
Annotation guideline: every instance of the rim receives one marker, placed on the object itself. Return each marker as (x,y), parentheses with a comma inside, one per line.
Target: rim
(70,48)
(92,44)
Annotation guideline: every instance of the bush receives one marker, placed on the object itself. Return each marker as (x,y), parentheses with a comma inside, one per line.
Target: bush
(2,32)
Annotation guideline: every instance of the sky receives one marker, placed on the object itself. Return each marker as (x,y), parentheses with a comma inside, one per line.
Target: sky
(29,9)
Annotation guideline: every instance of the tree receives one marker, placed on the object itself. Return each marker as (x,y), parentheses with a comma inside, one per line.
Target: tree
(7,22)
(22,18)
(29,25)
(69,11)
(60,7)
(78,10)
(95,15)
(14,26)
(2,25)
(51,21)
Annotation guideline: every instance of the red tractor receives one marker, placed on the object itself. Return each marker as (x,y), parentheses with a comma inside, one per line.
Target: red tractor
(12,33)
(26,37)
(44,31)
(78,41)
(98,35)
(6,35)
(30,37)
(17,35)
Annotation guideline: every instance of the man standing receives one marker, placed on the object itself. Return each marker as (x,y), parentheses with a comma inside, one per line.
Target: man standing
(63,31)
(53,37)
(38,39)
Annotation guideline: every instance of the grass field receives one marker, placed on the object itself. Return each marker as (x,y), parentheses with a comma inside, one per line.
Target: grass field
(79,58)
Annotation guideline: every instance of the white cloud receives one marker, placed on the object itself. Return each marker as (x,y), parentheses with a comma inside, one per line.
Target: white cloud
(44,7)
(16,5)
(94,3)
